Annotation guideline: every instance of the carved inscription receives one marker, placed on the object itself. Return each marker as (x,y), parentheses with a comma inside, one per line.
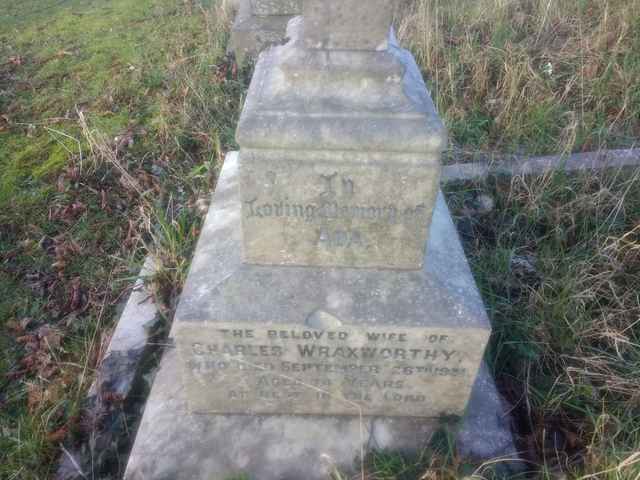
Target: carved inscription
(288,369)
(332,210)
(340,218)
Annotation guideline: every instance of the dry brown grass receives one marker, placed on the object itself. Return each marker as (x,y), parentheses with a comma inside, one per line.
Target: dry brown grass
(558,262)
(531,75)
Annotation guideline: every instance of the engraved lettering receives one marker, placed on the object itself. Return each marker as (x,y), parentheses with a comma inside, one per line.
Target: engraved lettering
(448,354)
(249,204)
(314,212)
(348,187)
(386,337)
(328,184)
(339,238)
(384,369)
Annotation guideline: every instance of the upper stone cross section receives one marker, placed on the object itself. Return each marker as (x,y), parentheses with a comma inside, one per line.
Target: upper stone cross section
(347,24)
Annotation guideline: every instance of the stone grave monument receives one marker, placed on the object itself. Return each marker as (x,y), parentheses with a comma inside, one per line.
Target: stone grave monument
(260,24)
(329,309)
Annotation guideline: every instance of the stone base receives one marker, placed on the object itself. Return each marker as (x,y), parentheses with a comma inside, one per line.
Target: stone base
(171,444)
(250,34)
(175,443)
(317,340)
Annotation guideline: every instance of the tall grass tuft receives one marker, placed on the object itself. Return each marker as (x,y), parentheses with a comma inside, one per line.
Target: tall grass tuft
(558,262)
(532,76)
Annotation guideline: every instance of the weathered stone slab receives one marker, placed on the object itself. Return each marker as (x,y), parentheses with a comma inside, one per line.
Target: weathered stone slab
(174,444)
(292,369)
(339,158)
(347,24)
(276,7)
(117,376)
(265,339)
(221,292)
(339,208)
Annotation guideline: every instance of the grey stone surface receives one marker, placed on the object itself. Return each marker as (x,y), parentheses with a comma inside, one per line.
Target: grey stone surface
(251,34)
(438,310)
(173,444)
(339,158)
(489,413)
(115,379)
(276,7)
(138,320)
(347,24)
(342,101)
(513,165)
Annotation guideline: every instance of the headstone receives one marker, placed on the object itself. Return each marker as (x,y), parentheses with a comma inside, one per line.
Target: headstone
(260,24)
(340,148)
(329,308)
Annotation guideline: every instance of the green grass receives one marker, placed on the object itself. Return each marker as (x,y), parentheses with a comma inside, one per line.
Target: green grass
(115,116)
(558,265)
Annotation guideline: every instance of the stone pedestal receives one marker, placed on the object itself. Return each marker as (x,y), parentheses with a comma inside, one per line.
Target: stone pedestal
(260,24)
(182,438)
(340,341)
(340,157)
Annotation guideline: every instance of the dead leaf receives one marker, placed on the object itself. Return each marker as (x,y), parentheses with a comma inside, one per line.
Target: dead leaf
(51,338)
(14,326)
(59,265)
(58,435)
(44,393)
(35,396)
(24,339)
(46,368)
(75,298)
(15,375)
